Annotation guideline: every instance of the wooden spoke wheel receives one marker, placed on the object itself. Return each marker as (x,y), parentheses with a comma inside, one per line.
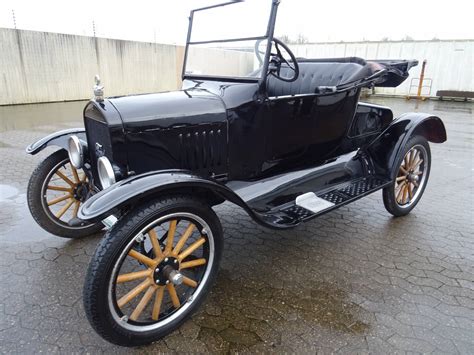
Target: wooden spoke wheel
(56,191)
(158,276)
(156,270)
(411,179)
(64,190)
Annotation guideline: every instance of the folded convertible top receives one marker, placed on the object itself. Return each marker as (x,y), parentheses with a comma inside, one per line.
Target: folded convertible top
(396,71)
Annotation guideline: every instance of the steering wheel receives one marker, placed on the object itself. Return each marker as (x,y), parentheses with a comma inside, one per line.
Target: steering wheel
(276,59)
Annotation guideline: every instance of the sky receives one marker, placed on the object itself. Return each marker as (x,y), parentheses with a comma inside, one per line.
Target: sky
(318,21)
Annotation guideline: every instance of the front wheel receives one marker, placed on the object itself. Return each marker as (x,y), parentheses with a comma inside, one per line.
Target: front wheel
(412,177)
(56,191)
(152,270)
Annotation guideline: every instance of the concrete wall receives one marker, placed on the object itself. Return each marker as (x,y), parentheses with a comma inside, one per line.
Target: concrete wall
(450,63)
(42,67)
(219,62)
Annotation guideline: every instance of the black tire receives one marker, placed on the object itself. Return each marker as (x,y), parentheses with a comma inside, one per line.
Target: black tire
(37,200)
(391,198)
(101,283)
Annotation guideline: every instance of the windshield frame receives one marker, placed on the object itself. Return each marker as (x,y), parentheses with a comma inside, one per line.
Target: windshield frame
(268,37)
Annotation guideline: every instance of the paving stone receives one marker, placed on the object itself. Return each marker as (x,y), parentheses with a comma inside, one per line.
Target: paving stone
(68,340)
(462,335)
(214,342)
(416,320)
(411,344)
(189,330)
(442,343)
(176,343)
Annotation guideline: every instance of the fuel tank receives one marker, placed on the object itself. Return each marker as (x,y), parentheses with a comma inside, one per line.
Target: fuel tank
(184,129)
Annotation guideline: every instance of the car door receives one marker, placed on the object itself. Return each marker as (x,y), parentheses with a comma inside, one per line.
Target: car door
(303,130)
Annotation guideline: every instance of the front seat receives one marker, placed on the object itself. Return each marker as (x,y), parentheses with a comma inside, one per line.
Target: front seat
(319,72)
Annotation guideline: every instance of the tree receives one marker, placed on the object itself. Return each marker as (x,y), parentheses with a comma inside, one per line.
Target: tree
(301,39)
(284,38)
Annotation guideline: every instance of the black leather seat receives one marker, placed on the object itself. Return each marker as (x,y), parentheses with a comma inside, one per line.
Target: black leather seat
(316,73)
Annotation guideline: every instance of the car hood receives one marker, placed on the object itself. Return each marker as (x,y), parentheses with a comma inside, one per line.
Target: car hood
(166,110)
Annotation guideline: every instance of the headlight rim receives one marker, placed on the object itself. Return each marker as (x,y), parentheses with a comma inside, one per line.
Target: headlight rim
(76,156)
(105,166)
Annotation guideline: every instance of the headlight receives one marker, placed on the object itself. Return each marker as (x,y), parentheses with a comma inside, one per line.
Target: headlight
(76,152)
(106,172)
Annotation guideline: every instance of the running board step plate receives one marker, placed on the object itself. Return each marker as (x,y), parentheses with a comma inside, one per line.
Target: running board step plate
(310,204)
(355,189)
(313,203)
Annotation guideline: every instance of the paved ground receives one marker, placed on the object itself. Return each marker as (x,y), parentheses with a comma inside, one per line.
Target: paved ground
(354,280)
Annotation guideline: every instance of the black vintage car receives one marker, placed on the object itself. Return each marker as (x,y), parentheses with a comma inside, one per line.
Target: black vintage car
(284,138)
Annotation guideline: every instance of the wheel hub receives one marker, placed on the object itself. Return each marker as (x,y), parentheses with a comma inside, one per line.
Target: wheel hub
(80,191)
(164,271)
(412,177)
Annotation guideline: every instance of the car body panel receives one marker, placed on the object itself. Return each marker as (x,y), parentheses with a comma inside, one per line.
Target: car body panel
(387,148)
(58,139)
(142,187)
(305,130)
(157,138)
(151,112)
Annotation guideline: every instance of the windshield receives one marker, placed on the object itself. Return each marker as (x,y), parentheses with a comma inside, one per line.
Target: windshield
(228,40)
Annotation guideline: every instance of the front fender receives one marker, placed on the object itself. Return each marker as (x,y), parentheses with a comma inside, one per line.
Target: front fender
(386,149)
(58,139)
(149,185)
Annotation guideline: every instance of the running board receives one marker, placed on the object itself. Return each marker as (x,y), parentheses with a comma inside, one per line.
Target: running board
(310,205)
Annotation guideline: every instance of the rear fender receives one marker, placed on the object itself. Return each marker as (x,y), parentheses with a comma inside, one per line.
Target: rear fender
(150,185)
(59,139)
(387,148)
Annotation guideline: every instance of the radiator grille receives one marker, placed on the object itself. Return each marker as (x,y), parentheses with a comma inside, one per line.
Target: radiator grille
(98,141)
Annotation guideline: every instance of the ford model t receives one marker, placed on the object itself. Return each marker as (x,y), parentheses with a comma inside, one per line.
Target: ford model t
(284,138)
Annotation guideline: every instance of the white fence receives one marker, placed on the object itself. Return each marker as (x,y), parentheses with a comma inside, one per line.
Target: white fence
(449,63)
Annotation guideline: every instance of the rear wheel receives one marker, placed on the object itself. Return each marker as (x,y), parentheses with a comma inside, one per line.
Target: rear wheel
(152,270)
(413,172)
(56,190)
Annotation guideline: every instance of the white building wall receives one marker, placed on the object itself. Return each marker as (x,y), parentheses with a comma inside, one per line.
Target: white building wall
(449,63)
